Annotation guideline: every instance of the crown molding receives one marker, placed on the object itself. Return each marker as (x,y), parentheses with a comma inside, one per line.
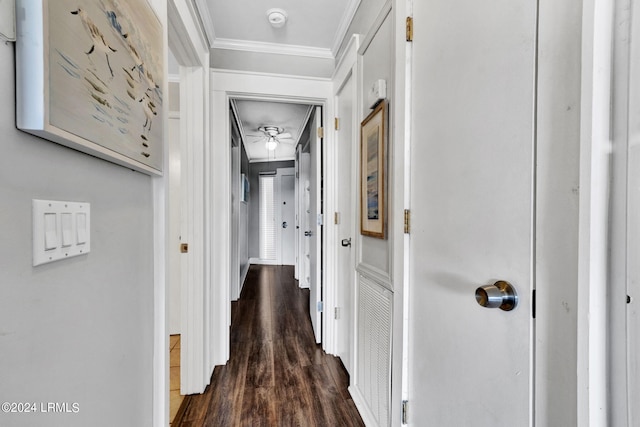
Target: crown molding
(347,18)
(202,9)
(272,48)
(232,72)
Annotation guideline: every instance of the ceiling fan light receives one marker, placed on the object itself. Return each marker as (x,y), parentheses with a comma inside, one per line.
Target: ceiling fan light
(277,17)
(271,144)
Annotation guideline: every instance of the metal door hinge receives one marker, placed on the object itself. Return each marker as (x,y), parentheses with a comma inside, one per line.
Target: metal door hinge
(320,306)
(336,218)
(336,313)
(337,123)
(409,28)
(320,132)
(404,411)
(407,221)
(184,248)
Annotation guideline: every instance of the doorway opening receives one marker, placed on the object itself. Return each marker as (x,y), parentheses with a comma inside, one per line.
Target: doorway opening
(276,194)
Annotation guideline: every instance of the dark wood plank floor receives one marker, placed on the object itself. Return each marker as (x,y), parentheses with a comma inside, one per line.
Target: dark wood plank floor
(277,375)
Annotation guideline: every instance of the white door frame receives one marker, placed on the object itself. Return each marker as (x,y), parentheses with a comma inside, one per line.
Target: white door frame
(235,283)
(593,260)
(191,51)
(347,69)
(624,219)
(226,85)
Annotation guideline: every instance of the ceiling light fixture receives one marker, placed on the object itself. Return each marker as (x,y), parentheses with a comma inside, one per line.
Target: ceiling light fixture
(277,17)
(271,143)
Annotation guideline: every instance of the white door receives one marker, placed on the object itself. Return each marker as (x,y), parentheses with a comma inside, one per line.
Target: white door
(472,204)
(303,218)
(175,208)
(315,226)
(287,218)
(345,202)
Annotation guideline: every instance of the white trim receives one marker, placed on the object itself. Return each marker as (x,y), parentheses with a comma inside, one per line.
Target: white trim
(260,261)
(279,159)
(345,23)
(401,120)
(402,300)
(624,220)
(189,47)
(193,56)
(376,274)
(202,8)
(272,48)
(361,403)
(347,70)
(347,63)
(373,30)
(595,149)
(173,78)
(219,193)
(222,71)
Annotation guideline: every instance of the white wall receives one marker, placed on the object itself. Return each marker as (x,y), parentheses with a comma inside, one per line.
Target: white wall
(377,63)
(78,330)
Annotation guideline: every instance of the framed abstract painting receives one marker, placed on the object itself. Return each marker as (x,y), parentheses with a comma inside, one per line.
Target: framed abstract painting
(373,148)
(89,75)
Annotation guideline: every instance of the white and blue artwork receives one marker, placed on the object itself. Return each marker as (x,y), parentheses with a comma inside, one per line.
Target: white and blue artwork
(105,67)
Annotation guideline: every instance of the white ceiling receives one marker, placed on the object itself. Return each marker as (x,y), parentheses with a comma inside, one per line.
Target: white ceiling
(313,27)
(241,38)
(252,115)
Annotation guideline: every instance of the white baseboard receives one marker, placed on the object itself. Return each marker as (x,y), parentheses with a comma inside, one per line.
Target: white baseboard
(260,261)
(363,408)
(243,276)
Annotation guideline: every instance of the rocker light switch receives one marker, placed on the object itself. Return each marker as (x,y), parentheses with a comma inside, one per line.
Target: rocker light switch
(60,230)
(67,235)
(50,232)
(81,226)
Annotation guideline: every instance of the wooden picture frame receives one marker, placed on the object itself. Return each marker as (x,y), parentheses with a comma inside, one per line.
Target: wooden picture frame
(373,187)
(90,76)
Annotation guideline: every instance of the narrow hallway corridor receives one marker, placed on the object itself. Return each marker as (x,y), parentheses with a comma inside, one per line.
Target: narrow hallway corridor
(277,375)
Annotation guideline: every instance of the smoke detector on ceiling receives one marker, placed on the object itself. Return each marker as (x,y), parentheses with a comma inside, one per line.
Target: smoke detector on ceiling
(277,17)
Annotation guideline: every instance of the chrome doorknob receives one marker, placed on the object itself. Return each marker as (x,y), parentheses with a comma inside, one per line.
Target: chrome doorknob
(499,295)
(307,233)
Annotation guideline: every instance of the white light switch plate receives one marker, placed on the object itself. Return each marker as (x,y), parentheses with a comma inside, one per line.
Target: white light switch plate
(60,230)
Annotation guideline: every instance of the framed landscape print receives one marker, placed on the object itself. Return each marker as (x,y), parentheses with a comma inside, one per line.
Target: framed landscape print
(89,75)
(373,148)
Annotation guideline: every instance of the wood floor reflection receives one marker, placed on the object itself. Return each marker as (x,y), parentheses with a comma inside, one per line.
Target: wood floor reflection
(277,375)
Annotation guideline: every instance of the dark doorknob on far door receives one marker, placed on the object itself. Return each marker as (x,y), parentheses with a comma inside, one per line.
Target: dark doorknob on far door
(284,224)
(307,233)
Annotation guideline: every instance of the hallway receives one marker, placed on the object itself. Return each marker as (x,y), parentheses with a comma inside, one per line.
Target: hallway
(277,375)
